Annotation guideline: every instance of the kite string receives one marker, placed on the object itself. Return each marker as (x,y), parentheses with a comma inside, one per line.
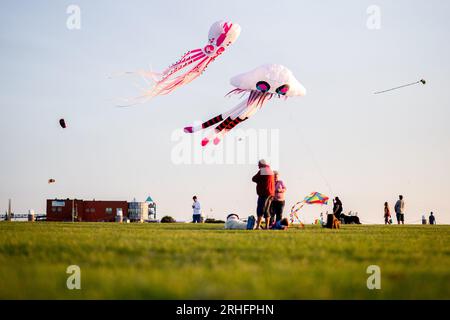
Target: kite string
(316,164)
(405,85)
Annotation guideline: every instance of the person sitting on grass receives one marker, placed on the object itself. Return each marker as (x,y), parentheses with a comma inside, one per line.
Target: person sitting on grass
(234,223)
(282,224)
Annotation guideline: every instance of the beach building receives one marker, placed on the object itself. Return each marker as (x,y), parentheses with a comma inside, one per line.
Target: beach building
(137,211)
(85,210)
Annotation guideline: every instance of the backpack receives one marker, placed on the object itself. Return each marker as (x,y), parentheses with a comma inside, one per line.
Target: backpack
(251,223)
(397,207)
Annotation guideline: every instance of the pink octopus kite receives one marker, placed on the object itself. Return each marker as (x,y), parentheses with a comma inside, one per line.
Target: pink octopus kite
(261,84)
(193,63)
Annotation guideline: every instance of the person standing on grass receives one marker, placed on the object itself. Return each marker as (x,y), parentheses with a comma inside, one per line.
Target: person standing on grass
(387,214)
(337,208)
(278,202)
(432,219)
(400,210)
(196,214)
(265,189)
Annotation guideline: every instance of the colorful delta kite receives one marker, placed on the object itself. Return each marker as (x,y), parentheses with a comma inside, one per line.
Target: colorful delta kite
(261,84)
(313,198)
(192,64)
(316,198)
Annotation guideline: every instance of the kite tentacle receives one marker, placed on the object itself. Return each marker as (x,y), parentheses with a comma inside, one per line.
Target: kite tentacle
(229,120)
(214,120)
(204,125)
(216,130)
(178,67)
(237,91)
(240,115)
(186,57)
(167,84)
(224,131)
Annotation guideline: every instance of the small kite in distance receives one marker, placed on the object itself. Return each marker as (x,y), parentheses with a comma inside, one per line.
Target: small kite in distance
(62,123)
(422,81)
(51,181)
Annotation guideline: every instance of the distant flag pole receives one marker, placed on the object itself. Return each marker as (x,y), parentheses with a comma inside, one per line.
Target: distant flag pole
(8,216)
(422,81)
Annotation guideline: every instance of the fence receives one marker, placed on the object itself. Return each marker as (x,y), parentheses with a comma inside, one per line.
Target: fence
(23,216)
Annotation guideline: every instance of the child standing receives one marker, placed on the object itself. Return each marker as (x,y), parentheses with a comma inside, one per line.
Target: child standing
(387,214)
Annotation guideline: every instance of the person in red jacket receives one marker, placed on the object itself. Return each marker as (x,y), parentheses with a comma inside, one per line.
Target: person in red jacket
(265,189)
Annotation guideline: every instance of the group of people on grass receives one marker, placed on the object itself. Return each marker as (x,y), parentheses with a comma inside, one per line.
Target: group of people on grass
(271,198)
(431,219)
(270,190)
(399,209)
(271,201)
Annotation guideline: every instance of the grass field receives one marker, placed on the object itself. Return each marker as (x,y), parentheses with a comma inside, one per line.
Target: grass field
(186,261)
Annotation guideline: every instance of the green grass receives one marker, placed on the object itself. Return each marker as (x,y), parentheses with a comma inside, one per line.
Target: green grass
(186,261)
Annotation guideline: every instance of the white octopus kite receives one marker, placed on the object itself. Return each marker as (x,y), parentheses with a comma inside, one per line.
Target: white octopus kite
(262,84)
(221,35)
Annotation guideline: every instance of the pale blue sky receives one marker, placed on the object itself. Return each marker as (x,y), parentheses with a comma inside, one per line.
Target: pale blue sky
(369,148)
